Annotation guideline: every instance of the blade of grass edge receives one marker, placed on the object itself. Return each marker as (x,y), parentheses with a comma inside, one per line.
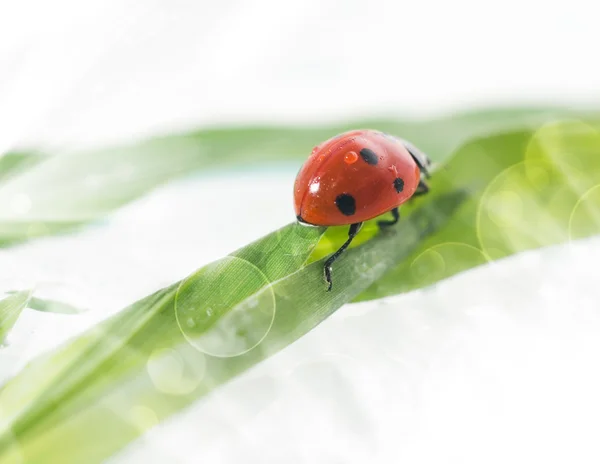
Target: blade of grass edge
(10,310)
(71,189)
(83,393)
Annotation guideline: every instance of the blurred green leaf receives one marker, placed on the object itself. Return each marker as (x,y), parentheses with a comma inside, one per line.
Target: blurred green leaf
(527,190)
(44,194)
(10,310)
(173,347)
(13,163)
(52,306)
(496,195)
(12,304)
(47,305)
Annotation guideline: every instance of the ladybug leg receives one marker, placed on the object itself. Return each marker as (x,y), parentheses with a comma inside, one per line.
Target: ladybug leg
(387,223)
(354,228)
(422,189)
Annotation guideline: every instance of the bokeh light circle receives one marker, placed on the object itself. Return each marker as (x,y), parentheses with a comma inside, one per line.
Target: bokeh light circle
(143,418)
(226,308)
(173,373)
(445,260)
(526,206)
(565,144)
(585,217)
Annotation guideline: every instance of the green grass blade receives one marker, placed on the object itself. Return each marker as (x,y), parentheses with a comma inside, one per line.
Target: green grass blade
(91,387)
(527,189)
(46,305)
(495,196)
(42,195)
(13,163)
(10,310)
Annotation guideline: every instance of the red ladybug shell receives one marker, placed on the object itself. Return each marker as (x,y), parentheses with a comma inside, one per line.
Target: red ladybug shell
(354,177)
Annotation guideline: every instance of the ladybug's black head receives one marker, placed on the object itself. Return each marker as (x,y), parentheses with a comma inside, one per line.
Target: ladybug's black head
(422,160)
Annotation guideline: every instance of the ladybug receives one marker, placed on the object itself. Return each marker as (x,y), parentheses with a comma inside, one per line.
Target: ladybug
(356,176)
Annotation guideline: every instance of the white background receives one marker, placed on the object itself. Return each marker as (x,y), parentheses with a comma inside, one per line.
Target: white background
(81,70)
(496,365)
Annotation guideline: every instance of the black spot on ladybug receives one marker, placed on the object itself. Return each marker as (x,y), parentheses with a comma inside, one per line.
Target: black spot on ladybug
(346,204)
(398,184)
(369,156)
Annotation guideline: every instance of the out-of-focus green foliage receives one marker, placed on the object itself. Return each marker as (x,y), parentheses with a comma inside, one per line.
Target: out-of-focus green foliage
(501,192)
(48,193)
(175,346)
(11,306)
(527,189)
